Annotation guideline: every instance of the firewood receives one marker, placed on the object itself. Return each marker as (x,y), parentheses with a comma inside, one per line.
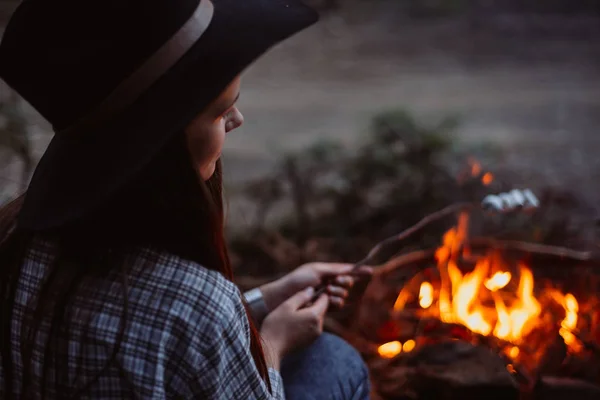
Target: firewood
(555,388)
(531,248)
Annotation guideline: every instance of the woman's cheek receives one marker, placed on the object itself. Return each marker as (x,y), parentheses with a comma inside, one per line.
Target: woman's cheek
(218,138)
(199,149)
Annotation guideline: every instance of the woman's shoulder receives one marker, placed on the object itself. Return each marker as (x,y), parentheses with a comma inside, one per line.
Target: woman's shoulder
(184,287)
(162,288)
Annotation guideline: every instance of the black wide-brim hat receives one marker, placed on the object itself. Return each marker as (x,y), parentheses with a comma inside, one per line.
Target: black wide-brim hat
(117,79)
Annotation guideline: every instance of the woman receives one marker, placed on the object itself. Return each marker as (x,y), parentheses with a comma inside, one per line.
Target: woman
(115,277)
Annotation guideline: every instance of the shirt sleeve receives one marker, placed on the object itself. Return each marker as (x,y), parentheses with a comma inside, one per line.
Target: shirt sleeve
(223,367)
(229,372)
(276,383)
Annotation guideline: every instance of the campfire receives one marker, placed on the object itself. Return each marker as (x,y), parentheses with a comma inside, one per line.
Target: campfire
(496,298)
(479,316)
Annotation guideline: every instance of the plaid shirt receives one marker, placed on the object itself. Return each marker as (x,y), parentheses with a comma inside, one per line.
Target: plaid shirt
(187,335)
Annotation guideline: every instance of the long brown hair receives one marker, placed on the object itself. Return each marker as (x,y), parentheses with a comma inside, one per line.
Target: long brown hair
(164,208)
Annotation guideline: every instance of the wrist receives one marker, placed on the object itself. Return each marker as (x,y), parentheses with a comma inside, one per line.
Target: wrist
(274,293)
(258,308)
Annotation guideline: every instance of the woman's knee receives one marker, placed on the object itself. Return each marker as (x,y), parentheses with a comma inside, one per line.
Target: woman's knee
(350,370)
(346,357)
(330,368)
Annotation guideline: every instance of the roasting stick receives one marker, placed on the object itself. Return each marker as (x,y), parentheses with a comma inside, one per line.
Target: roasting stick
(504,202)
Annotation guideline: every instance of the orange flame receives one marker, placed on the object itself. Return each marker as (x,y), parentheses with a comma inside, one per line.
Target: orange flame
(475,167)
(569,323)
(482,299)
(390,349)
(476,171)
(426,295)
(487,178)
(498,281)
(409,346)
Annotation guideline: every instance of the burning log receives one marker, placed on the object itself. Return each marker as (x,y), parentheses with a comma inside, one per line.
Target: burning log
(459,370)
(448,370)
(587,344)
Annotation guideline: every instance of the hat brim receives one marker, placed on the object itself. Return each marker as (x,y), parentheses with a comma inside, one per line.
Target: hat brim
(78,173)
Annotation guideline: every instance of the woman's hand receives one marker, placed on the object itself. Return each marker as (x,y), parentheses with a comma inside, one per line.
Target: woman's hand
(311,275)
(291,325)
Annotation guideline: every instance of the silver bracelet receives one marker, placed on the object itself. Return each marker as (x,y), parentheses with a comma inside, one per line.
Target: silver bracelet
(258,307)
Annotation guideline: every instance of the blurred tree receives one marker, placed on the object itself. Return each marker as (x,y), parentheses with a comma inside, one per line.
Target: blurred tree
(391,180)
(340,202)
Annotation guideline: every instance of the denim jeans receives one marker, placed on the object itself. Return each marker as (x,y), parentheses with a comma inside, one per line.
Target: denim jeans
(328,369)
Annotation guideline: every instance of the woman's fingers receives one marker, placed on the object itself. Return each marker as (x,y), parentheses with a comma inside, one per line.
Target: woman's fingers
(300,299)
(348,280)
(363,271)
(337,291)
(319,307)
(345,281)
(325,269)
(337,302)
